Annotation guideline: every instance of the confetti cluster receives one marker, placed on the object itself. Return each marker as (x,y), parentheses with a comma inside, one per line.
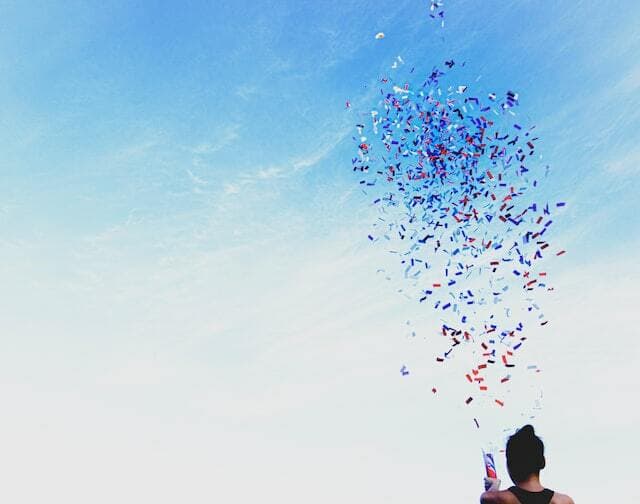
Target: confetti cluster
(436,11)
(454,177)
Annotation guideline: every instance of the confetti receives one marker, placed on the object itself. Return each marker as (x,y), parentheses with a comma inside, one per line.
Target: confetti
(454,178)
(436,11)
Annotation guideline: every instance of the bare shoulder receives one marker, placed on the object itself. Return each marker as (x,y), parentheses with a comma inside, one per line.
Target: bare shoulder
(500,497)
(559,498)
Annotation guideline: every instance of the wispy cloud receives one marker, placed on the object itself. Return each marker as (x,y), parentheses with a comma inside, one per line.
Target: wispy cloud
(626,164)
(269,173)
(246,91)
(195,179)
(138,148)
(289,168)
(250,178)
(231,188)
(630,83)
(317,155)
(222,139)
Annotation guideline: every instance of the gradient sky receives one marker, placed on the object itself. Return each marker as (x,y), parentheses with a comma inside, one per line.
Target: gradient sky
(191,310)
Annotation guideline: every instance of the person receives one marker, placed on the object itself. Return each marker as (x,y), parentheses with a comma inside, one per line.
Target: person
(525,459)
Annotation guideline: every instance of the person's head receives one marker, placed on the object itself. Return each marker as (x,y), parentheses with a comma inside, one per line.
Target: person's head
(525,454)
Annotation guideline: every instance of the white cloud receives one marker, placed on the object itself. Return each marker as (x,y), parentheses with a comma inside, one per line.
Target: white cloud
(251,178)
(629,83)
(231,188)
(222,139)
(314,157)
(195,179)
(269,173)
(246,91)
(627,164)
(139,148)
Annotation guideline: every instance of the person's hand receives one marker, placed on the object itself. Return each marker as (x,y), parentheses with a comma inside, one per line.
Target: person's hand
(491,484)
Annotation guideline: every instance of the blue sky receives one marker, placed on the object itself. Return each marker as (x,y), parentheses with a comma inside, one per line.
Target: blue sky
(191,306)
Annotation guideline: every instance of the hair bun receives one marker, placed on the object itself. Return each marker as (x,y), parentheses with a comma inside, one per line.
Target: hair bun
(527,431)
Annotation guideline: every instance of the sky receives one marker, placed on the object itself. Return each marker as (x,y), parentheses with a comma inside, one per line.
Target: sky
(191,309)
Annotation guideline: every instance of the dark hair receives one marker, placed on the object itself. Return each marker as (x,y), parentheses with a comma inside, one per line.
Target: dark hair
(525,454)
